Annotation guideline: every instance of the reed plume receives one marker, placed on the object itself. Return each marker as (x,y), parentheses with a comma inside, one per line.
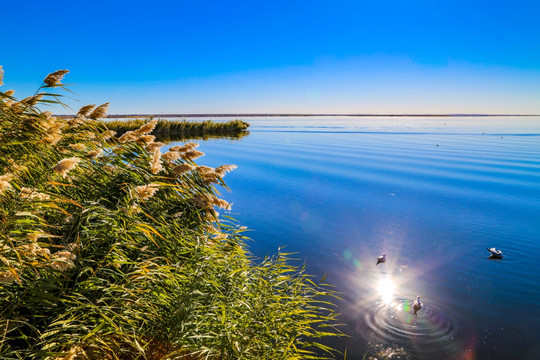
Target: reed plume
(33,194)
(85,110)
(171,156)
(77,146)
(1,76)
(127,136)
(62,260)
(7,277)
(153,147)
(180,169)
(224,169)
(185,147)
(145,192)
(9,92)
(55,78)
(145,139)
(191,155)
(94,153)
(155,163)
(66,165)
(147,128)
(99,112)
(4,182)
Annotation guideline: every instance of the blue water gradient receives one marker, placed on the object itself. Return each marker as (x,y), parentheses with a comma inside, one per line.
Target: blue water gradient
(431,193)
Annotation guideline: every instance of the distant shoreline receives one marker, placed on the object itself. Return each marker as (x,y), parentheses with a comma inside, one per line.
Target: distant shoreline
(116,116)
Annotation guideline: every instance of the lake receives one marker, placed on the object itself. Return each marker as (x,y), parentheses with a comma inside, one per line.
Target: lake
(432,193)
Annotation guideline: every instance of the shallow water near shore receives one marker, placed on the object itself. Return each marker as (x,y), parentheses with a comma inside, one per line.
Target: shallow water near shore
(431,193)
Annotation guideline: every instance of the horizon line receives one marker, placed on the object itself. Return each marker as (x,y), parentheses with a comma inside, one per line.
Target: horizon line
(172,115)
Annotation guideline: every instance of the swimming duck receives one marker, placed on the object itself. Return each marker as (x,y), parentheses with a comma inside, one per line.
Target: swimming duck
(417,305)
(381,259)
(495,254)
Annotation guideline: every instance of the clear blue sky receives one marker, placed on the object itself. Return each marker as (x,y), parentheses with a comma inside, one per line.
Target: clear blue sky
(280,56)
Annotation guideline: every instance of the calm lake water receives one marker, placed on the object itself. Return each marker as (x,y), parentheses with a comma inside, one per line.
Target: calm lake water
(431,193)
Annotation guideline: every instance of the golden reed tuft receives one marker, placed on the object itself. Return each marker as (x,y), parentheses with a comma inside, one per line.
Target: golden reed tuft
(186,147)
(4,182)
(146,128)
(55,78)
(99,112)
(145,192)
(180,169)
(223,169)
(171,156)
(1,76)
(155,163)
(94,153)
(191,155)
(85,110)
(9,92)
(66,165)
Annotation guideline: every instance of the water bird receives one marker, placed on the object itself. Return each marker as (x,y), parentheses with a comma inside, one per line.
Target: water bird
(417,305)
(495,254)
(381,259)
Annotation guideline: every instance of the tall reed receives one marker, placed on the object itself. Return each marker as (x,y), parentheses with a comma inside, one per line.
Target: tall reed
(111,250)
(183,128)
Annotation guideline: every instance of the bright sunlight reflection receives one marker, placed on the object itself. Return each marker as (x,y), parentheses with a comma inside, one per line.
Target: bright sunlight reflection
(386,289)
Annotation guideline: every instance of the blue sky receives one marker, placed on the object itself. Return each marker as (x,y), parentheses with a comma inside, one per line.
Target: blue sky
(400,56)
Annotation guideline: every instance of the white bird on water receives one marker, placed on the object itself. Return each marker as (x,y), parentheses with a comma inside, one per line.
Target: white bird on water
(417,305)
(381,259)
(495,254)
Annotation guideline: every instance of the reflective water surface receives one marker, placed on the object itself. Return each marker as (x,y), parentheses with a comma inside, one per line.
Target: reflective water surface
(431,193)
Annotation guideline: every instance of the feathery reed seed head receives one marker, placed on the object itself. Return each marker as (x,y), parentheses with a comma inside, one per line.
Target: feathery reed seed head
(182,168)
(153,147)
(94,153)
(55,78)
(66,165)
(85,110)
(155,163)
(7,277)
(185,147)
(9,92)
(191,155)
(99,112)
(147,128)
(145,192)
(171,156)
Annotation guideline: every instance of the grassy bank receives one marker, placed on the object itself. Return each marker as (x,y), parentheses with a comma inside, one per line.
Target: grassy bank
(110,249)
(183,129)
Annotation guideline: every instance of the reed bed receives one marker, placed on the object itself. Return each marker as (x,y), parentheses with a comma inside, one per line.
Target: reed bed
(183,128)
(110,249)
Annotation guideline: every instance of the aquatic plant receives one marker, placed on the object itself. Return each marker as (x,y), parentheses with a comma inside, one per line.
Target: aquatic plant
(110,249)
(183,129)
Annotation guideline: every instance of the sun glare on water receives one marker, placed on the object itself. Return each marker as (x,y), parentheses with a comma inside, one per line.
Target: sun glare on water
(386,290)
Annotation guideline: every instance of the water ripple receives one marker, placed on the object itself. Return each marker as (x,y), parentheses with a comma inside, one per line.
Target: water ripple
(432,331)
